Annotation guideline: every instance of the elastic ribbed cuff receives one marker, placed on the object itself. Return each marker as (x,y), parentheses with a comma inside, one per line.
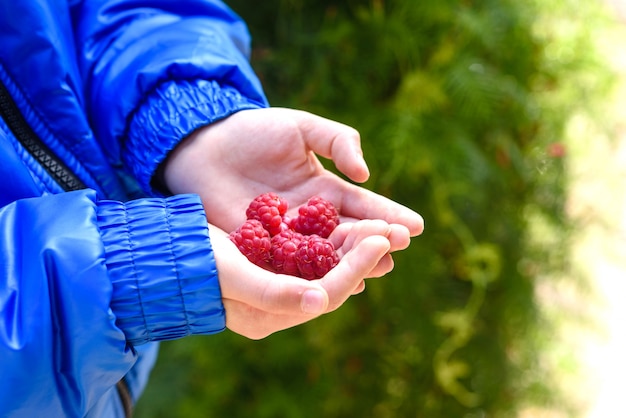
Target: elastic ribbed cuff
(172,112)
(159,257)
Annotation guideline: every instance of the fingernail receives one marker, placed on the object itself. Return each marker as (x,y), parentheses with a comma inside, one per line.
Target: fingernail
(313,302)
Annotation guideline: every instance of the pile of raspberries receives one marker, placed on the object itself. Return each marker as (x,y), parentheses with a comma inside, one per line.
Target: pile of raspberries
(298,245)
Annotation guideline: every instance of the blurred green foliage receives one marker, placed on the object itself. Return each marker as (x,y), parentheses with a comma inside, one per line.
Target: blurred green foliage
(462,107)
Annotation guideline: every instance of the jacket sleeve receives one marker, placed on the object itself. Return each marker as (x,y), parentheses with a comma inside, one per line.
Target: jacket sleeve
(155,71)
(83,282)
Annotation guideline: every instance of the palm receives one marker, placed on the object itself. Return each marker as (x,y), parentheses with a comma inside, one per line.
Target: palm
(273,157)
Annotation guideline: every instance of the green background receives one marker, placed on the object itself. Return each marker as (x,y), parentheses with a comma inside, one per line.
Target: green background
(462,107)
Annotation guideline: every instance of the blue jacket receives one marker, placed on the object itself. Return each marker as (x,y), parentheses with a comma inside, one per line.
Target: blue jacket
(95,266)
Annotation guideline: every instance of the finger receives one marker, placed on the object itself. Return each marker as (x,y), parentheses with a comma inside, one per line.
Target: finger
(399,237)
(360,288)
(359,203)
(348,234)
(336,141)
(353,267)
(384,267)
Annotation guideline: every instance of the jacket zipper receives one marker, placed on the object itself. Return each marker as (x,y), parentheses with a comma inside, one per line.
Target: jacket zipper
(59,172)
(124,393)
(34,145)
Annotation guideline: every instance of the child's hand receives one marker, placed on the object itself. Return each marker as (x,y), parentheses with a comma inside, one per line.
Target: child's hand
(256,151)
(259,302)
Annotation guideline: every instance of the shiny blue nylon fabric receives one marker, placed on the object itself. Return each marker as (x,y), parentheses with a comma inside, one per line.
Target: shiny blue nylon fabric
(156,52)
(74,319)
(110,87)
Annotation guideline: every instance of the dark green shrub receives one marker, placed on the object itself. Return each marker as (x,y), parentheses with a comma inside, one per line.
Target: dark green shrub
(462,107)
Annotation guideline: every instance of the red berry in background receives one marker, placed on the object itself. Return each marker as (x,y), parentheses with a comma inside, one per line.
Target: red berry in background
(557,150)
(268,208)
(315,256)
(283,252)
(253,241)
(318,216)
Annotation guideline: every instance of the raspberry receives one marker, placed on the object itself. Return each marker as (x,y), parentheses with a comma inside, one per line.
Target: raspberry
(298,245)
(318,217)
(268,208)
(315,256)
(253,241)
(283,252)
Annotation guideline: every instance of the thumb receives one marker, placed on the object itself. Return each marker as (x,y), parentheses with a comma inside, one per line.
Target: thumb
(341,143)
(278,294)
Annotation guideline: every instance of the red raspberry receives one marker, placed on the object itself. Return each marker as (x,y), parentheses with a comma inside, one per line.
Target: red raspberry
(318,216)
(315,257)
(283,252)
(253,241)
(268,208)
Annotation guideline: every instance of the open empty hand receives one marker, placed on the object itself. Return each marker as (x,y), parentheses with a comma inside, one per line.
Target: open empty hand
(257,151)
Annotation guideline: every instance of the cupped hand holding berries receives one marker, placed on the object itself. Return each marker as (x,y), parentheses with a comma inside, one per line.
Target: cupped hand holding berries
(259,302)
(252,152)
(230,162)
(309,244)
